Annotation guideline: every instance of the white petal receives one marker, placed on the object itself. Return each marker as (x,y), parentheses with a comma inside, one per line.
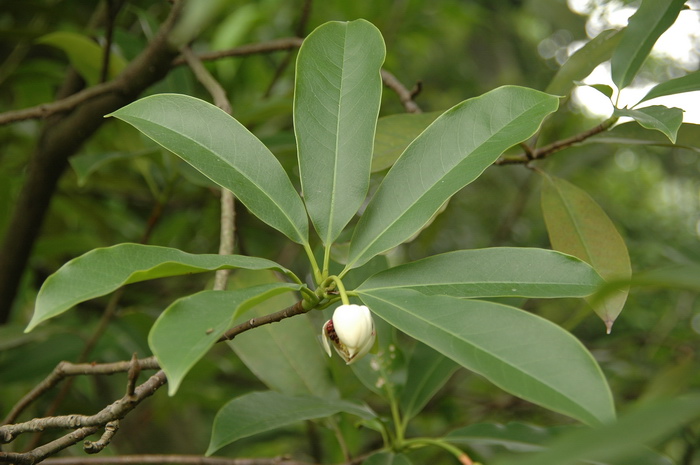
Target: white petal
(353,325)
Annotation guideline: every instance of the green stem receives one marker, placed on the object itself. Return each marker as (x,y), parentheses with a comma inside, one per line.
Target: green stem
(458,453)
(341,288)
(326,261)
(318,277)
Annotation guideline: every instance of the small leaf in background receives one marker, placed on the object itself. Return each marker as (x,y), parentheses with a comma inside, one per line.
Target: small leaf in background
(336,103)
(85,55)
(658,117)
(428,371)
(688,83)
(651,20)
(453,151)
(517,437)
(578,226)
(86,164)
(225,151)
(583,62)
(104,270)
(286,356)
(493,272)
(188,328)
(603,89)
(387,458)
(258,412)
(521,353)
(394,133)
(620,442)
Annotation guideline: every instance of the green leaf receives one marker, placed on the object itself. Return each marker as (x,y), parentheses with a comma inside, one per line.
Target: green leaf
(453,151)
(85,55)
(578,226)
(386,458)
(224,151)
(688,83)
(517,437)
(619,442)
(336,103)
(286,356)
(650,21)
(632,134)
(583,62)
(394,133)
(493,272)
(104,270)
(190,326)
(258,412)
(86,164)
(428,371)
(663,119)
(522,353)
(603,89)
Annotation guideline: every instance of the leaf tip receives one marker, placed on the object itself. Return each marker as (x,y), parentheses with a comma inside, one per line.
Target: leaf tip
(608,326)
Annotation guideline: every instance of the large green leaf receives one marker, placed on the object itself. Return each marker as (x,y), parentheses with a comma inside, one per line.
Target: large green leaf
(387,458)
(583,62)
(453,151)
(104,270)
(522,353)
(336,103)
(85,55)
(650,21)
(428,371)
(663,119)
(578,226)
(621,442)
(286,356)
(494,272)
(394,134)
(224,151)
(188,328)
(688,83)
(258,412)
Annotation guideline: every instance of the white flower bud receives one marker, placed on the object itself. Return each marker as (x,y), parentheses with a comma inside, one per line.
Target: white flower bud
(351,331)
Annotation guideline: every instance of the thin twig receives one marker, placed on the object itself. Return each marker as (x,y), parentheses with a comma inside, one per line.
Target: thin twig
(405,95)
(169,459)
(531,154)
(271,46)
(292,310)
(111,429)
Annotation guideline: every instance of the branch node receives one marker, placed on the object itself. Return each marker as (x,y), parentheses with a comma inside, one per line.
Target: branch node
(111,429)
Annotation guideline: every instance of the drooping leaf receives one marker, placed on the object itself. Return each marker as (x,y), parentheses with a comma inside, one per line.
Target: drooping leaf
(621,442)
(387,458)
(428,371)
(650,21)
(190,326)
(658,117)
(578,226)
(336,103)
(583,62)
(632,134)
(394,133)
(493,272)
(522,353)
(688,83)
(453,151)
(258,412)
(286,356)
(85,55)
(224,151)
(104,270)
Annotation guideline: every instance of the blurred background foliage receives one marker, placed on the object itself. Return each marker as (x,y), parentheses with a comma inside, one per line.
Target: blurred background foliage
(122,187)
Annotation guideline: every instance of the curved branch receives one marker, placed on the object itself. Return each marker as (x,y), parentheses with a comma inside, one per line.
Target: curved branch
(169,459)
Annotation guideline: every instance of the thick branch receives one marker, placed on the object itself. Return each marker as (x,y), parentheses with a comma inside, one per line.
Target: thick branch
(169,459)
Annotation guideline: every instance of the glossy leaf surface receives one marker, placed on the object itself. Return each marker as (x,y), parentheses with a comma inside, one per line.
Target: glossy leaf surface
(336,103)
(225,151)
(578,226)
(104,270)
(453,151)
(524,354)
(258,412)
(493,272)
(650,21)
(688,83)
(188,328)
